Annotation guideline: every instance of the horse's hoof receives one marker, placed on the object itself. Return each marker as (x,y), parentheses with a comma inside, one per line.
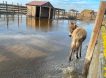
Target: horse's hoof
(70,60)
(77,57)
(80,55)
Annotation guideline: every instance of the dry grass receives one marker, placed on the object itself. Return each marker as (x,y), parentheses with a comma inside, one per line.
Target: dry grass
(103,29)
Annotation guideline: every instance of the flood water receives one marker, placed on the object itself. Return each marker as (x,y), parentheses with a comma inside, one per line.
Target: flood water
(33,48)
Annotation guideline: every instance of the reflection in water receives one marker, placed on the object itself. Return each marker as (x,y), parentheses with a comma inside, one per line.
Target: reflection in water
(43,25)
(11,18)
(39,24)
(17,22)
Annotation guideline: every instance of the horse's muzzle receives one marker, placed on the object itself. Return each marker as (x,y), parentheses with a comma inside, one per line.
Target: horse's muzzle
(69,35)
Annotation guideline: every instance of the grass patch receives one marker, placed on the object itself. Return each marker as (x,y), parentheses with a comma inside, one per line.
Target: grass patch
(103,30)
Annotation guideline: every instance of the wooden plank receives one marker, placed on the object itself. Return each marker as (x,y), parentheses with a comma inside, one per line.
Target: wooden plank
(49,13)
(58,13)
(40,12)
(94,37)
(54,13)
(9,8)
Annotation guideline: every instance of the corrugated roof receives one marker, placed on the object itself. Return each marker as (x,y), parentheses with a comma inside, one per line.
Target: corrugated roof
(38,3)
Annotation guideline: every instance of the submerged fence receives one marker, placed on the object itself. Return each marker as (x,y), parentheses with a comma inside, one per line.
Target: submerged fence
(12,9)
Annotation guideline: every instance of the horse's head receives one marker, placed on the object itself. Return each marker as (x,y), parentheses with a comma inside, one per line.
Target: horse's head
(72,27)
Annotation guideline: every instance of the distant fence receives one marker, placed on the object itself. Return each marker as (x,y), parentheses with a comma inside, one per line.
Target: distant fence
(12,9)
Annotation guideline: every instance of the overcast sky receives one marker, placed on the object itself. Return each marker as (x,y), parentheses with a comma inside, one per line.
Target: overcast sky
(65,4)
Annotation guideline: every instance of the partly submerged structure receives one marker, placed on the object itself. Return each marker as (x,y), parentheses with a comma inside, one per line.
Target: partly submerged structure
(73,14)
(40,9)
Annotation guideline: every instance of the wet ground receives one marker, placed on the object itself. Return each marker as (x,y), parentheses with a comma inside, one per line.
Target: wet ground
(32,48)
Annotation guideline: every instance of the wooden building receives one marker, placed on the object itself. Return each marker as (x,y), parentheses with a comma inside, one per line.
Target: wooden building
(40,9)
(87,14)
(73,14)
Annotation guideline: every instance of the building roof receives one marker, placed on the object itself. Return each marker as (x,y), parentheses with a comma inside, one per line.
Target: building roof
(73,10)
(87,11)
(37,3)
(59,9)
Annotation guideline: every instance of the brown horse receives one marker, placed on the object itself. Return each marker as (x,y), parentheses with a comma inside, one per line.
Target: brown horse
(78,36)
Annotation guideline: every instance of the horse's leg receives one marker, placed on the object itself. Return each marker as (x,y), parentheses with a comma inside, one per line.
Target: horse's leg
(80,49)
(71,53)
(77,52)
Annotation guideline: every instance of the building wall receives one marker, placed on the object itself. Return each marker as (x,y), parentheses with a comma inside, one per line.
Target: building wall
(45,12)
(87,15)
(28,10)
(31,10)
(51,13)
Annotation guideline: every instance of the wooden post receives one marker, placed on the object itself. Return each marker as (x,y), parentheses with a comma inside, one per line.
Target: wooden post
(6,8)
(76,14)
(1,7)
(49,13)
(0,14)
(7,21)
(48,24)
(94,37)
(12,9)
(54,13)
(4,15)
(40,12)
(39,24)
(63,14)
(21,11)
(7,14)
(58,14)
(18,8)
(70,13)
(18,13)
